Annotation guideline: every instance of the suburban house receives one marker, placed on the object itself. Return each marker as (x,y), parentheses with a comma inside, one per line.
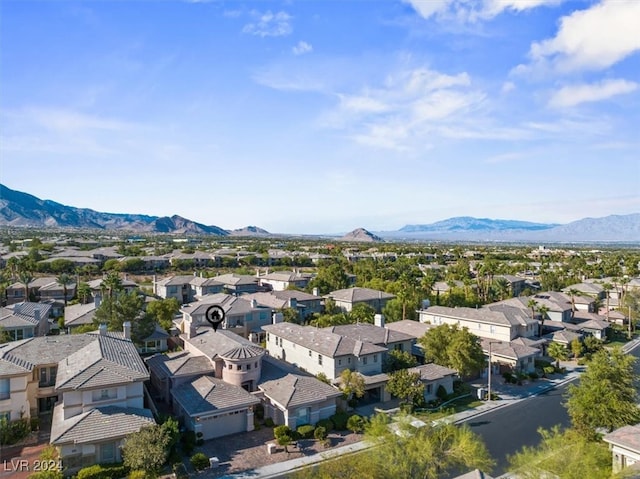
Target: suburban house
(102,389)
(97,288)
(80,314)
(293,398)
(211,407)
(40,289)
(25,320)
(516,284)
(178,287)
(92,384)
(624,443)
(238,283)
(204,286)
(346,299)
(493,322)
(593,290)
(433,376)
(416,330)
(242,316)
(306,304)
(505,356)
(281,280)
(319,350)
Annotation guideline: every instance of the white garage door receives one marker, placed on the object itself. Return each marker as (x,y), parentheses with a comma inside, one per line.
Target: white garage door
(223,425)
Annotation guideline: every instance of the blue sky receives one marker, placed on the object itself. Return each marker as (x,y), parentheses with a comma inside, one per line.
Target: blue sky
(323,116)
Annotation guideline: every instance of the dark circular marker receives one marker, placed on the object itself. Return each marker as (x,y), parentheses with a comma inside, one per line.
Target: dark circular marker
(215,315)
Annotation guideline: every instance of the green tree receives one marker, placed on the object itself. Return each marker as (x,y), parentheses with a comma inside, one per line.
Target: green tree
(606,396)
(542,310)
(406,385)
(330,278)
(115,311)
(351,384)
(450,346)
(576,348)
(362,313)
(397,359)
(558,352)
(564,455)
(25,277)
(64,280)
(355,423)
(112,284)
(163,311)
(147,449)
(290,315)
(83,292)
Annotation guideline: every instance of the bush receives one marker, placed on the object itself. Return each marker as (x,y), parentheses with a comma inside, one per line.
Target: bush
(269,422)
(339,420)
(100,471)
(320,433)
(14,431)
(441,393)
(533,375)
(137,474)
(549,370)
(327,424)
(355,423)
(306,431)
(280,431)
(35,423)
(199,461)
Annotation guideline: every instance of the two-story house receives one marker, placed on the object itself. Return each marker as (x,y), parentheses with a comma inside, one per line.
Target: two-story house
(25,320)
(306,304)
(282,280)
(178,287)
(345,299)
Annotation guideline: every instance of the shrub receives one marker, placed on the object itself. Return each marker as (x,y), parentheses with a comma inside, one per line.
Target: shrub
(259,412)
(99,471)
(549,370)
(306,431)
(269,422)
(137,474)
(339,420)
(199,461)
(533,375)
(35,423)
(355,423)
(14,431)
(327,424)
(281,431)
(320,433)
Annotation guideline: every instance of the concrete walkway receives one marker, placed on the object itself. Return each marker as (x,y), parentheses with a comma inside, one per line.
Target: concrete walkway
(509,394)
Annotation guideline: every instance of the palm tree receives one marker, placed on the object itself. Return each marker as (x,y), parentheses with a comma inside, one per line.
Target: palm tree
(111,283)
(558,352)
(543,310)
(502,286)
(573,293)
(64,279)
(25,278)
(607,287)
(533,304)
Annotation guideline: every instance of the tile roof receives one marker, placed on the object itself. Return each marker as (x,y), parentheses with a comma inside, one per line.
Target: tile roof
(370,333)
(431,371)
(105,361)
(415,329)
(207,394)
(356,294)
(295,390)
(236,279)
(76,314)
(508,350)
(627,437)
(244,352)
(180,363)
(98,425)
(175,280)
(506,317)
(216,343)
(321,340)
(44,350)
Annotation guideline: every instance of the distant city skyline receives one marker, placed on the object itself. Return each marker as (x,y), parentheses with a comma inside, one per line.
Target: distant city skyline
(319,117)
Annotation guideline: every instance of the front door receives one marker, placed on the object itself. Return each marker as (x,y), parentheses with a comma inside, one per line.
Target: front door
(45,405)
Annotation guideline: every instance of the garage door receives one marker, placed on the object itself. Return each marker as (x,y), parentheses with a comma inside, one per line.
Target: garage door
(223,425)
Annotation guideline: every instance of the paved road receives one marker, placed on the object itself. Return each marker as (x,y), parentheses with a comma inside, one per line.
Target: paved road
(506,430)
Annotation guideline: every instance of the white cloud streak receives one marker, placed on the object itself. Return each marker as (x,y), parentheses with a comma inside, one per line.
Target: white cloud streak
(573,95)
(269,24)
(473,10)
(301,48)
(593,39)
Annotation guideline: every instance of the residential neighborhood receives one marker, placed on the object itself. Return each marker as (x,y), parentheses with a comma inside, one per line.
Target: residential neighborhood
(97,359)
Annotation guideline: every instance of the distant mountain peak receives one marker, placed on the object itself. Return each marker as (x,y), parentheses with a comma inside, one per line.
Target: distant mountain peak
(361,235)
(250,231)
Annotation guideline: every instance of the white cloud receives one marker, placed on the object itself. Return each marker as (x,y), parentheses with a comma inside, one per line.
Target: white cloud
(576,94)
(68,121)
(301,48)
(269,24)
(591,39)
(473,10)
(508,87)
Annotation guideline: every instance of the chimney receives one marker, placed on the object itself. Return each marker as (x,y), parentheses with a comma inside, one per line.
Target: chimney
(254,304)
(257,272)
(155,285)
(425,304)
(102,329)
(292,303)
(126,329)
(316,292)
(277,318)
(195,274)
(378,320)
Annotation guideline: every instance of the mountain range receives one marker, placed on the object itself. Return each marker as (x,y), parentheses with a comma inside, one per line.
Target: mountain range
(20,209)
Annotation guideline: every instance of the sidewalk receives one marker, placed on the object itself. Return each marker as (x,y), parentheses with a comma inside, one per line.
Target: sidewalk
(509,394)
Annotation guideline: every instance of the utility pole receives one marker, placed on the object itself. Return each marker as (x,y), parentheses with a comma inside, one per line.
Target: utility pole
(489,384)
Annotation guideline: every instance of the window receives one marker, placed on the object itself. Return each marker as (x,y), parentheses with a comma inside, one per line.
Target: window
(5,388)
(364,360)
(375,358)
(256,365)
(104,394)
(349,359)
(248,366)
(47,376)
(339,362)
(108,452)
(429,388)
(230,366)
(239,367)
(267,336)
(320,359)
(310,353)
